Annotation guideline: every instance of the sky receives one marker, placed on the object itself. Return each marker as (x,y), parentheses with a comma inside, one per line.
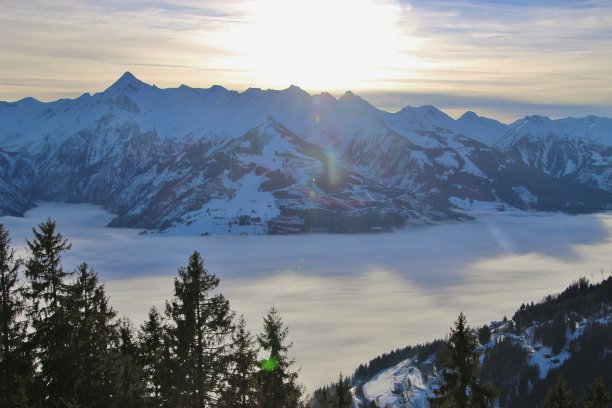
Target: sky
(503,59)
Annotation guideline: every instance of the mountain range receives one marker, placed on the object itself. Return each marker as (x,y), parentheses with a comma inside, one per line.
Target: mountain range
(267,161)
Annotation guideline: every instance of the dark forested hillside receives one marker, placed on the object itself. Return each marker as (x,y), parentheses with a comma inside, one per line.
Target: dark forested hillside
(564,341)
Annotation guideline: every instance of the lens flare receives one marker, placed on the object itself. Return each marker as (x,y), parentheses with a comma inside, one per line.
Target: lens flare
(269,364)
(333,175)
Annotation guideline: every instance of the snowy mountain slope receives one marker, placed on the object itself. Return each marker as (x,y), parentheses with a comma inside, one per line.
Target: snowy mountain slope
(486,131)
(579,149)
(12,200)
(402,384)
(583,161)
(591,128)
(429,118)
(206,160)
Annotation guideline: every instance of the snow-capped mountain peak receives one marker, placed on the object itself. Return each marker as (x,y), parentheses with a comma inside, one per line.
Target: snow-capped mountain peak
(127,83)
(485,130)
(469,115)
(294,89)
(348,95)
(28,101)
(424,118)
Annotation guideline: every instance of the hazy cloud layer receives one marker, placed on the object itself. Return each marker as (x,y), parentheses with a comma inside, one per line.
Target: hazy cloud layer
(549,54)
(347,298)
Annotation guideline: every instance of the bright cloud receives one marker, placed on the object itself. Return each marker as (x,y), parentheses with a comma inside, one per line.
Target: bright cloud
(500,58)
(319,44)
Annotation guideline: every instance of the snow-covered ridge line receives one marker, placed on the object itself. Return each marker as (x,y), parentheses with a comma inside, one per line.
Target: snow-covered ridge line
(425,117)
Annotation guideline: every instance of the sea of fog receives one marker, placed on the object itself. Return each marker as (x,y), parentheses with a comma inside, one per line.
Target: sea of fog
(346,298)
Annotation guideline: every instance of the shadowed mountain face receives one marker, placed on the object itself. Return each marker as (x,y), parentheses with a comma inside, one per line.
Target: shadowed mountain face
(213,160)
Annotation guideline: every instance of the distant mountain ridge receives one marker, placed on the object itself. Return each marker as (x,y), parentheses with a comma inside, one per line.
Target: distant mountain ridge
(267,161)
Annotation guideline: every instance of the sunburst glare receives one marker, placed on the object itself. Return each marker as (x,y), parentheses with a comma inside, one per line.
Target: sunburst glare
(318,44)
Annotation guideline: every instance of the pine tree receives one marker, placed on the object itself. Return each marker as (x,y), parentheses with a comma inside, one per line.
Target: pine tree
(202,322)
(322,399)
(93,352)
(152,346)
(15,364)
(559,397)
(50,336)
(461,387)
(404,398)
(343,394)
(131,387)
(599,397)
(44,269)
(240,390)
(484,334)
(278,387)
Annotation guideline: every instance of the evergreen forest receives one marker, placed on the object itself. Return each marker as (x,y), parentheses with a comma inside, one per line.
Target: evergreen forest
(63,345)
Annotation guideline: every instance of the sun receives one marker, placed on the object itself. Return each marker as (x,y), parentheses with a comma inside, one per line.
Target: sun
(316,44)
